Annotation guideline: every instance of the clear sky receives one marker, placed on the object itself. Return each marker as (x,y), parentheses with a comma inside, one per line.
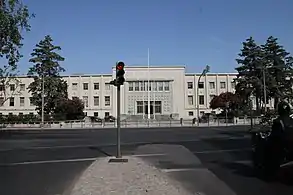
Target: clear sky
(94,34)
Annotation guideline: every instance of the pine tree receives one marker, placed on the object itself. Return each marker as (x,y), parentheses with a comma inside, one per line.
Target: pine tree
(279,69)
(250,71)
(47,68)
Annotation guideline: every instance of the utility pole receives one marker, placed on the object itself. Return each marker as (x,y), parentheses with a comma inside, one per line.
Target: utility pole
(43,100)
(118,155)
(264,89)
(118,82)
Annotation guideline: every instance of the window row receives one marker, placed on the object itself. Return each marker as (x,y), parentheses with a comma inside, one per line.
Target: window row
(12,101)
(96,101)
(212,85)
(154,108)
(151,86)
(85,99)
(13,87)
(201,99)
(86,86)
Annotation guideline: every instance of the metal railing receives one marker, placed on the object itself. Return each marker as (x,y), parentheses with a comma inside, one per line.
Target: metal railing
(135,123)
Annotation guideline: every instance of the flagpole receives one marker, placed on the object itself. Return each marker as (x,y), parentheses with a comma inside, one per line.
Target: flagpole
(149,101)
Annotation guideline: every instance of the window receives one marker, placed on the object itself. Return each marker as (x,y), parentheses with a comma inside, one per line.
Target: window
(212,85)
(201,85)
(223,85)
(1,101)
(189,85)
(150,86)
(12,87)
(85,86)
(212,97)
(107,101)
(74,86)
(21,101)
(142,86)
(190,113)
(136,86)
(31,101)
(233,85)
(166,86)
(96,101)
(201,100)
(155,86)
(22,87)
(139,107)
(130,86)
(158,107)
(190,100)
(85,100)
(2,88)
(96,114)
(107,86)
(107,114)
(160,86)
(96,86)
(11,101)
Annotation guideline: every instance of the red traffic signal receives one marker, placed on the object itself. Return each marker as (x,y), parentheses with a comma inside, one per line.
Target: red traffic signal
(120,73)
(120,66)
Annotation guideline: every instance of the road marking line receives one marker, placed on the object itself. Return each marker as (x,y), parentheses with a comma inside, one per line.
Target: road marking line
(148,155)
(122,144)
(221,151)
(179,170)
(49,161)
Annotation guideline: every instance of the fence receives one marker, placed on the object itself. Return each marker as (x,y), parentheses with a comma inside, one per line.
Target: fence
(137,123)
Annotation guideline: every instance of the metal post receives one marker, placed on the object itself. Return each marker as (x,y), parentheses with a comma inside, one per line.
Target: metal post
(118,123)
(43,100)
(264,90)
(226,114)
(197,95)
(250,105)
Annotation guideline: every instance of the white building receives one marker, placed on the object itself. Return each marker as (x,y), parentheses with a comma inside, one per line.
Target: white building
(172,91)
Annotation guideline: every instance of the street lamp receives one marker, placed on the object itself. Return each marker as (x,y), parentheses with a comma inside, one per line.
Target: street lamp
(204,72)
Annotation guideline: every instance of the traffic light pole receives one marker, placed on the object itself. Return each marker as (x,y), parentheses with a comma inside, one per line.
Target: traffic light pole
(118,82)
(118,123)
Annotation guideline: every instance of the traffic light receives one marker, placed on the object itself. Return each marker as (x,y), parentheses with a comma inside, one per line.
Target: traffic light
(120,73)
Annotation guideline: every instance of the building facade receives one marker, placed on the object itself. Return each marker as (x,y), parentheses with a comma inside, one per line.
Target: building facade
(167,91)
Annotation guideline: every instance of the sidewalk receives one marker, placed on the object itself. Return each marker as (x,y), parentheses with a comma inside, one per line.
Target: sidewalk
(135,177)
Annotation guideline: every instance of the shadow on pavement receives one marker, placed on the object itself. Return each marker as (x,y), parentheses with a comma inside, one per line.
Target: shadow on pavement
(284,176)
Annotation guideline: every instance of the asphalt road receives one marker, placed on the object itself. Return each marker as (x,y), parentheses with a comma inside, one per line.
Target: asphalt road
(48,162)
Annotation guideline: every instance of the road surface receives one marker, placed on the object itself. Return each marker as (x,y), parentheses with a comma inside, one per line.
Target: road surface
(48,162)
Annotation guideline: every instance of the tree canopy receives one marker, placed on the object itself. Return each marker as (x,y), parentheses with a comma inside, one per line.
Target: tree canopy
(14,20)
(228,102)
(47,69)
(266,66)
(67,109)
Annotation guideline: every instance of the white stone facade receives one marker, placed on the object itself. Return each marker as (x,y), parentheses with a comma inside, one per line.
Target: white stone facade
(172,91)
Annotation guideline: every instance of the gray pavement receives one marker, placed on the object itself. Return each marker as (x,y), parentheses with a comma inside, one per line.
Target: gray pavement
(47,163)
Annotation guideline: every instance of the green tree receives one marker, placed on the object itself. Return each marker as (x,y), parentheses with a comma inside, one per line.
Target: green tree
(47,69)
(250,69)
(68,109)
(14,20)
(279,70)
